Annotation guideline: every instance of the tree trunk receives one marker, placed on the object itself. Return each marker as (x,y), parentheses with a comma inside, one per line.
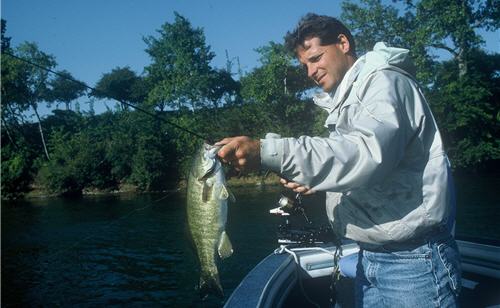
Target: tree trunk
(7,130)
(462,64)
(464,47)
(41,131)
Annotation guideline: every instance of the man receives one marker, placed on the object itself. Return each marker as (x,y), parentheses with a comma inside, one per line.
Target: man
(383,167)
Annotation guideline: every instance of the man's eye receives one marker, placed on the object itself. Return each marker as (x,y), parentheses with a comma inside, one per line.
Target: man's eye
(316,58)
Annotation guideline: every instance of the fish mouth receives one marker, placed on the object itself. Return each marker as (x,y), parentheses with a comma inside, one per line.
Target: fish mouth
(213,150)
(210,160)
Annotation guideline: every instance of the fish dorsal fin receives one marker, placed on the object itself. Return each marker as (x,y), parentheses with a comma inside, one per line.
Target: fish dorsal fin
(206,191)
(225,248)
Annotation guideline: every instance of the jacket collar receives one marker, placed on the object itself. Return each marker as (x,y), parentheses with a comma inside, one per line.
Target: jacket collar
(331,101)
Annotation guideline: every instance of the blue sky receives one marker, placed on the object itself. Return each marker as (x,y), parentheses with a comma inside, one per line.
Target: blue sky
(89,38)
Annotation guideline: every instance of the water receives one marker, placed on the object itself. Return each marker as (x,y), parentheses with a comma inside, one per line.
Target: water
(478,207)
(121,250)
(134,250)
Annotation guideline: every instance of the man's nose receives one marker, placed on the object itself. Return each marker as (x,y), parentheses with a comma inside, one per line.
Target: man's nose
(311,71)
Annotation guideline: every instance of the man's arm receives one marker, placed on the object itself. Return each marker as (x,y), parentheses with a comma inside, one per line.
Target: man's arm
(365,148)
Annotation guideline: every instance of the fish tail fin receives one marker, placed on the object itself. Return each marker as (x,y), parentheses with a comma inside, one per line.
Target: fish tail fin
(210,284)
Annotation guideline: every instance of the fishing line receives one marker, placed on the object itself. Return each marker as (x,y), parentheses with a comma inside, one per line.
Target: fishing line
(156,116)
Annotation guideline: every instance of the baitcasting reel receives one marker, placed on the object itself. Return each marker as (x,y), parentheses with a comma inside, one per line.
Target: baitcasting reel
(307,234)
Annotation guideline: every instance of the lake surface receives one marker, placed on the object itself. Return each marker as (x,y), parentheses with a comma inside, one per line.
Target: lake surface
(134,250)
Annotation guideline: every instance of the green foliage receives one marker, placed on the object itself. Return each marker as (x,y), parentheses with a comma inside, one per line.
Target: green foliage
(121,84)
(150,165)
(5,39)
(276,89)
(105,151)
(63,88)
(421,30)
(24,86)
(184,145)
(180,72)
(15,88)
(65,120)
(370,22)
(467,110)
(34,79)
(77,162)
(462,91)
(17,171)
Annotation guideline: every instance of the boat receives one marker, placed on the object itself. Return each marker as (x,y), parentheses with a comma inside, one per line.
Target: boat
(303,278)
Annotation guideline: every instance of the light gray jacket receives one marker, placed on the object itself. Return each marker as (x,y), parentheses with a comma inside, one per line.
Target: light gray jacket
(383,165)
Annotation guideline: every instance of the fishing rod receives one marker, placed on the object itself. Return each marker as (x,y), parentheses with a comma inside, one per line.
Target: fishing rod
(156,116)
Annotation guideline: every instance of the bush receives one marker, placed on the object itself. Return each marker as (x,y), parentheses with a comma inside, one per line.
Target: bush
(77,162)
(17,172)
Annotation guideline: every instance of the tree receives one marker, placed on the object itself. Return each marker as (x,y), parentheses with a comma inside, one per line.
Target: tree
(467,109)
(222,88)
(121,84)
(24,86)
(12,88)
(78,162)
(277,88)
(64,88)
(17,170)
(5,39)
(180,72)
(462,91)
(424,27)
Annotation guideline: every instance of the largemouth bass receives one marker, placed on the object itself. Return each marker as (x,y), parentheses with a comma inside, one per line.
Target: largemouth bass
(207,198)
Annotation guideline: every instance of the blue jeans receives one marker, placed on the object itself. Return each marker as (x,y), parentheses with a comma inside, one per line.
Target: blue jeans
(425,276)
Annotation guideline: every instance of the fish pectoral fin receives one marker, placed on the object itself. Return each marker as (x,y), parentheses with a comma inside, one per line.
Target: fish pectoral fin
(224,193)
(206,191)
(225,248)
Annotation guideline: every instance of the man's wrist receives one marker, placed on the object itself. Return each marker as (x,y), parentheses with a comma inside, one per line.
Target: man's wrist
(271,152)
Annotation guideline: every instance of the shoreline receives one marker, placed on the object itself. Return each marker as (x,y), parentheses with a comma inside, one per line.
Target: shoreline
(253,180)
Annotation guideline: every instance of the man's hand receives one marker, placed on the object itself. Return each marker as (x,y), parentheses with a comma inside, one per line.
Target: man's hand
(242,152)
(296,187)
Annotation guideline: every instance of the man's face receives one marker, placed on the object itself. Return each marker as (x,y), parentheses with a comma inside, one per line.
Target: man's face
(326,65)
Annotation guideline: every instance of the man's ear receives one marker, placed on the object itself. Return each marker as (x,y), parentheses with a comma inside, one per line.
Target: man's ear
(344,44)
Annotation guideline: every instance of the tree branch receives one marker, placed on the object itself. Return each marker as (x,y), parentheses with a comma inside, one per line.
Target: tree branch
(442,46)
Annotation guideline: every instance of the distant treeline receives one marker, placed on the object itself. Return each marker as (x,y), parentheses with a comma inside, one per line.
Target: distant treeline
(70,150)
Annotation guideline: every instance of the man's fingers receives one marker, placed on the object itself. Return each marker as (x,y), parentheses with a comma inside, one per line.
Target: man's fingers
(242,162)
(242,152)
(308,192)
(223,141)
(296,187)
(226,153)
(304,190)
(293,185)
(300,189)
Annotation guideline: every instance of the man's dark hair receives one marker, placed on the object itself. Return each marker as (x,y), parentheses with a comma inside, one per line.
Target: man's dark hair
(326,28)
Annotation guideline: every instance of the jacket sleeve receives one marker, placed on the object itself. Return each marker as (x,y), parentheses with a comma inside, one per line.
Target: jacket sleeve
(368,142)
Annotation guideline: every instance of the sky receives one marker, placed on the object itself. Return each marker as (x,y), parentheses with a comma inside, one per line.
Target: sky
(89,38)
